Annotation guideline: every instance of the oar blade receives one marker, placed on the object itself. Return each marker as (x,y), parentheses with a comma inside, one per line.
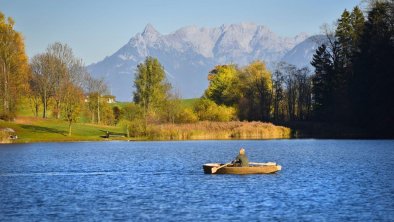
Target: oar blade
(215,169)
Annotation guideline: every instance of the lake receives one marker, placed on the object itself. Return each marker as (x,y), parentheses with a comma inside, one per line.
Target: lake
(321,180)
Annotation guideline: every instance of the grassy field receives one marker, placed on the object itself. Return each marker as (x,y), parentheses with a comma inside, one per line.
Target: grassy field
(30,129)
(188,103)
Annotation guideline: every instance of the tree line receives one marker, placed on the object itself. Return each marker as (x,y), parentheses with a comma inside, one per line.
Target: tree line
(54,80)
(60,79)
(250,93)
(259,95)
(353,80)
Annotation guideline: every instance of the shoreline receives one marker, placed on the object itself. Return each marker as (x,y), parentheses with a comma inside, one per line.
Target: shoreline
(38,130)
(144,140)
(50,130)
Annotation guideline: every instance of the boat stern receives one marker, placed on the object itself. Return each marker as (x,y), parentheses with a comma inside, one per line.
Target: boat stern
(208,167)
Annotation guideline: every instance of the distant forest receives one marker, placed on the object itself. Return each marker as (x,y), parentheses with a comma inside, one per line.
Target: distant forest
(352,84)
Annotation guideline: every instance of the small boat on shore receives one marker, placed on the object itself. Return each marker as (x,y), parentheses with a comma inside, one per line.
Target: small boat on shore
(253,168)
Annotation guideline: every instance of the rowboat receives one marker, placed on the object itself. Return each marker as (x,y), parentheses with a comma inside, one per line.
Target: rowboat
(253,168)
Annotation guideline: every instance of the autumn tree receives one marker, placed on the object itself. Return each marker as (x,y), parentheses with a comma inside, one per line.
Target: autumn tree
(106,113)
(34,94)
(151,87)
(256,100)
(53,69)
(278,95)
(14,69)
(304,90)
(72,103)
(132,120)
(95,88)
(45,68)
(71,70)
(171,108)
(223,85)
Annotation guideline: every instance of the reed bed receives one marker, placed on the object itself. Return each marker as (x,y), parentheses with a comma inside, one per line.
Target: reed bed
(218,130)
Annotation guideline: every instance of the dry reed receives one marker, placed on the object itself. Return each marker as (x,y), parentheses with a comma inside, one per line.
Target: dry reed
(218,130)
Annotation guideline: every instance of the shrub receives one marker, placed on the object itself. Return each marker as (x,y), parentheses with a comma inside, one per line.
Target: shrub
(4,136)
(187,116)
(107,115)
(131,112)
(137,128)
(210,111)
(225,114)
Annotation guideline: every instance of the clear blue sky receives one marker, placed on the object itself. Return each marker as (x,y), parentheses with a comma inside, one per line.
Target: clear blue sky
(97,28)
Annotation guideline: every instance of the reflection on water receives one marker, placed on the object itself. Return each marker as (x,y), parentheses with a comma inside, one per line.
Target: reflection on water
(333,180)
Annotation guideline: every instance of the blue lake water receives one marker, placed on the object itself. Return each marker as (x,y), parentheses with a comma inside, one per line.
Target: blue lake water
(321,180)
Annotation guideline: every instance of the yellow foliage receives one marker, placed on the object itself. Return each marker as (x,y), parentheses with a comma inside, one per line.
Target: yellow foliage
(258,75)
(14,69)
(222,81)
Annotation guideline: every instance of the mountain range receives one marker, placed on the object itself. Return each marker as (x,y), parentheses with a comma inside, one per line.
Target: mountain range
(189,53)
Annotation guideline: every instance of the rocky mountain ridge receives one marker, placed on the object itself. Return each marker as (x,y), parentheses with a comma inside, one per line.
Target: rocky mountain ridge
(189,53)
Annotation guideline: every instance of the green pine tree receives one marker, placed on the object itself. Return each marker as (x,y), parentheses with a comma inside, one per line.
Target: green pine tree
(372,88)
(322,84)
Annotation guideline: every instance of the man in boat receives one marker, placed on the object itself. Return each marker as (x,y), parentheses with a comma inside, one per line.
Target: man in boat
(241,160)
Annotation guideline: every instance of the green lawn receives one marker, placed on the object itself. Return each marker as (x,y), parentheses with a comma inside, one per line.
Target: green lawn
(31,129)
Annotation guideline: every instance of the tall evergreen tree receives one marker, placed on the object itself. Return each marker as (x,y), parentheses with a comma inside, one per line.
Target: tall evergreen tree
(347,33)
(322,84)
(372,88)
(343,35)
(357,21)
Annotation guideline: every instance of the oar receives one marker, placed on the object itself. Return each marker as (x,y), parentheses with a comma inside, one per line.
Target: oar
(214,169)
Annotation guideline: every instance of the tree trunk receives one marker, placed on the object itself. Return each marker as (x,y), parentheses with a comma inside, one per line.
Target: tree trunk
(69,128)
(57,109)
(44,111)
(6,106)
(98,109)
(36,109)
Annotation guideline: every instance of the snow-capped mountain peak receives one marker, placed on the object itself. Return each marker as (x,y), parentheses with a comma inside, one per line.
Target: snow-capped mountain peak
(190,53)
(150,34)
